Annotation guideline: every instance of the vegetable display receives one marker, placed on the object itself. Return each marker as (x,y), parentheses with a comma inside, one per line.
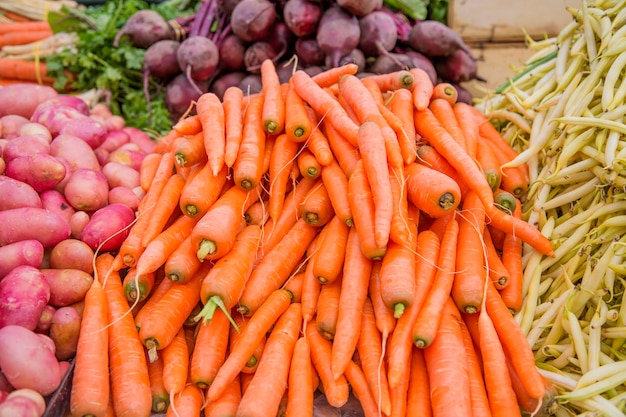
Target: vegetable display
(564,112)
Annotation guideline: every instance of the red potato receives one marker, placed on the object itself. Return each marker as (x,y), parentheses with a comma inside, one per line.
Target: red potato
(10,125)
(24,292)
(3,166)
(55,200)
(108,227)
(45,319)
(67,286)
(23,98)
(60,187)
(124,195)
(32,128)
(41,171)
(25,145)
(100,110)
(72,254)
(120,175)
(87,189)
(86,128)
(25,223)
(141,138)
(114,122)
(24,252)
(5,385)
(64,331)
(126,157)
(78,222)
(65,100)
(54,116)
(102,155)
(23,402)
(75,151)
(113,140)
(24,355)
(15,193)
(3,396)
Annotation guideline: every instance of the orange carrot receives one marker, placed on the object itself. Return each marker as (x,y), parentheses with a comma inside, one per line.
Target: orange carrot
(188,402)
(401,105)
(431,191)
(273,102)
(328,309)
(331,251)
(182,263)
(308,164)
(259,323)
(227,404)
(311,286)
(298,125)
(317,209)
(209,350)
(201,191)
(248,167)
(189,150)
(23,70)
(478,393)
(211,112)
(336,183)
(274,267)
(427,155)
(234,338)
(137,287)
(443,110)
(257,214)
(487,158)
(361,389)
(498,273)
(300,394)
(355,278)
(90,382)
(149,165)
(160,289)
(385,321)
(512,260)
(175,366)
(394,80)
(346,153)
(190,125)
(168,202)
(317,142)
(466,119)
(331,76)
(160,398)
(282,158)
(419,387)
(8,27)
(445,91)
(265,392)
(422,88)
(233,123)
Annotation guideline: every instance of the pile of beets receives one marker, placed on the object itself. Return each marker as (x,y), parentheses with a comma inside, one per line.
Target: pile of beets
(225,41)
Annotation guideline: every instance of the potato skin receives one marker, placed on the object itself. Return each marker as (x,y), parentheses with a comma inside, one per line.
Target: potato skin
(67,286)
(24,223)
(24,293)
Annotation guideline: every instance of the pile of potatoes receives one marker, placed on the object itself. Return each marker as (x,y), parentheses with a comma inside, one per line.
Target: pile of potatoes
(69,186)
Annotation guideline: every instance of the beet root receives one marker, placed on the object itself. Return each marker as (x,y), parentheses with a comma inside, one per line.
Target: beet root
(458,67)
(180,93)
(309,51)
(231,51)
(389,63)
(198,58)
(360,7)
(252,20)
(433,39)
(338,33)
(256,53)
(144,28)
(302,16)
(160,59)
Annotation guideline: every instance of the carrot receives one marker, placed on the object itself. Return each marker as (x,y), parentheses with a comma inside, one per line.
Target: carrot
(478,393)
(182,263)
(345,153)
(233,123)
(358,383)
(336,183)
(363,211)
(168,202)
(515,343)
(331,251)
(91,381)
(160,398)
(24,37)
(189,150)
(432,130)
(466,119)
(308,164)
(267,154)
(394,80)
(23,70)
(502,399)
(443,110)
(148,168)
(175,367)
(201,191)
(467,288)
(328,309)
(227,404)
(419,387)
(161,247)
(385,321)
(431,191)
(317,209)
(446,364)
(422,88)
(259,323)
(317,142)
(274,267)
(10,27)
(224,284)
(190,125)
(300,394)
(488,160)
(371,357)
(209,350)
(512,294)
(335,389)
(211,113)
(429,317)
(428,156)
(263,395)
(298,125)
(257,214)
(188,402)
(273,103)
(401,105)
(248,167)
(325,105)
(311,286)
(400,343)
(397,274)
(165,143)
(445,91)
(282,158)
(331,76)
(498,273)
(234,338)
(166,317)
(355,278)
(137,287)
(160,289)
(214,234)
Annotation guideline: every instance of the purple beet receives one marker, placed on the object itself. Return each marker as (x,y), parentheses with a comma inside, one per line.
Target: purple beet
(251,84)
(360,7)
(227,6)
(390,62)
(422,61)
(356,57)
(281,39)
(144,28)
(286,69)
(198,58)
(226,80)
(458,67)
(302,16)
(256,53)
(231,52)
(309,51)
(433,38)
(180,93)
(338,33)
(252,20)
(159,61)
(378,33)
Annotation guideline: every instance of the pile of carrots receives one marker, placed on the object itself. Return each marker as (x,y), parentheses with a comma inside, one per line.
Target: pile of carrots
(331,234)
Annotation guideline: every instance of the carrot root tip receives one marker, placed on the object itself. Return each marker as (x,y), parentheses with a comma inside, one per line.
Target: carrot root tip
(206,248)
(398,310)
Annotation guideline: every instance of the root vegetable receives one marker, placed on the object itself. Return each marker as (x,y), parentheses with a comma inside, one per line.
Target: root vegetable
(378,33)
(54,200)
(24,145)
(78,222)
(114,140)
(231,51)
(180,93)
(45,319)
(140,138)
(108,226)
(309,51)
(230,79)
(11,124)
(32,223)
(15,193)
(256,53)
(25,252)
(120,175)
(433,38)
(23,98)
(24,355)
(87,189)
(67,285)
(197,58)
(72,254)
(124,195)
(86,128)
(252,20)
(338,33)
(24,293)
(390,62)
(64,331)
(458,67)
(360,7)
(41,171)
(145,28)
(23,402)
(75,151)
(302,16)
